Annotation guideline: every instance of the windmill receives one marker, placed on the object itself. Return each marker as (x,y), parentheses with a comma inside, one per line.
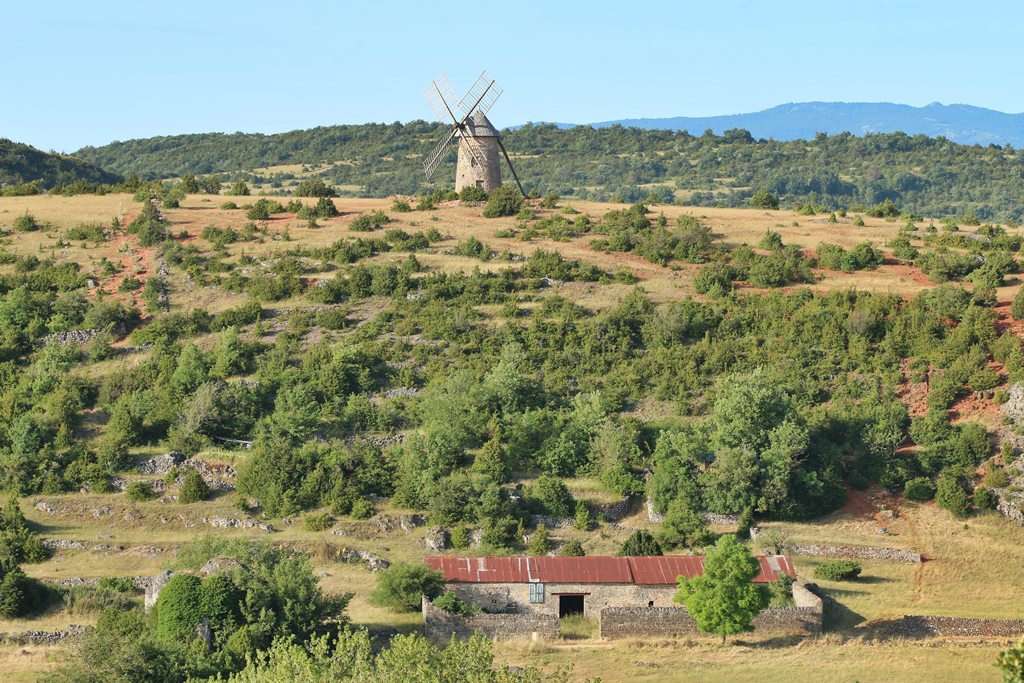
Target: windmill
(478,141)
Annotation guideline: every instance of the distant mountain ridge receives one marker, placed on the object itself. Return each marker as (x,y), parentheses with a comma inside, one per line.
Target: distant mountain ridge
(21,163)
(961,123)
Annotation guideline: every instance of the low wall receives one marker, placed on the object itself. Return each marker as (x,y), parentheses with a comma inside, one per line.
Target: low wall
(912,626)
(857,552)
(805,618)
(439,626)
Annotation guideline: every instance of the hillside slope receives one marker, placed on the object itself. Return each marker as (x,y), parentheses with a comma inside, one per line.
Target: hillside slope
(21,163)
(960,123)
(927,175)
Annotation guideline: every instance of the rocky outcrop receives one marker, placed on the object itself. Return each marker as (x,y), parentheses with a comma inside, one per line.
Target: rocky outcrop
(43,637)
(436,539)
(236,523)
(374,562)
(388,523)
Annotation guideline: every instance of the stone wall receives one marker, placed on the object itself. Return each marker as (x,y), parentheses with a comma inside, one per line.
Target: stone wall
(514,598)
(858,552)
(805,618)
(439,626)
(911,626)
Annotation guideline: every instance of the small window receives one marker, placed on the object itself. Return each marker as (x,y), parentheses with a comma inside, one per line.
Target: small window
(650,603)
(536,593)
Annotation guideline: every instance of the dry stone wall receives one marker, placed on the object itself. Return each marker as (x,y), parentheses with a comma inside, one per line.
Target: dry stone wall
(859,552)
(439,626)
(805,618)
(912,626)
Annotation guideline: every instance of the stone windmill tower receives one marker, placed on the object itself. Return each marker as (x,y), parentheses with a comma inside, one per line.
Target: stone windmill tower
(479,163)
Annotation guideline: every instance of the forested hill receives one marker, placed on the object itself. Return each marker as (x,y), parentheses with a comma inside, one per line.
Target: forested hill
(20,163)
(801,120)
(931,176)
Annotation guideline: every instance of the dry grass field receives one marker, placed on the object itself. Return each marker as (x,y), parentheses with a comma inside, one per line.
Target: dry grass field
(972,568)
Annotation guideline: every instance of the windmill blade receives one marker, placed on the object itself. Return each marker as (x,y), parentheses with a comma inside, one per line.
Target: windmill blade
(438,94)
(439,152)
(510,166)
(481,97)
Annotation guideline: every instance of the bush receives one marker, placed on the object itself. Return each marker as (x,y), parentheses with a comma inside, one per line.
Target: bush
(985,498)
(401,586)
(400,206)
(996,477)
(229,206)
(362,509)
(838,570)
(763,199)
(314,187)
(453,604)
(504,201)
(26,223)
(368,222)
(178,609)
(572,548)
(919,489)
(239,189)
(139,491)
(640,542)
(951,496)
(318,522)
(193,488)
(324,208)
(473,194)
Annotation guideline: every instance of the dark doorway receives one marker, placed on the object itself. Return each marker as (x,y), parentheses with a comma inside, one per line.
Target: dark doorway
(569,605)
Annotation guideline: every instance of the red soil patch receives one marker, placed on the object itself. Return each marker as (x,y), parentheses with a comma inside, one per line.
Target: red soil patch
(914,395)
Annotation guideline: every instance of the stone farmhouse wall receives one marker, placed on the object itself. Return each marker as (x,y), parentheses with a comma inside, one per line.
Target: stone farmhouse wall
(805,618)
(514,598)
(439,626)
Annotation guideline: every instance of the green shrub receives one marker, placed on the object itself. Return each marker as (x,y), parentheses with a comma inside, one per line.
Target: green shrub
(117,584)
(362,509)
(763,199)
(95,599)
(314,187)
(27,223)
(504,201)
(178,609)
(640,542)
(401,586)
(193,488)
(453,604)
(838,570)
(572,548)
(996,477)
(950,495)
(919,489)
(368,222)
(324,208)
(139,491)
(239,189)
(985,498)
(400,206)
(318,522)
(473,194)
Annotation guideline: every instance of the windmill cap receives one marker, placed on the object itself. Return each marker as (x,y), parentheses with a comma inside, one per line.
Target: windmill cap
(479,126)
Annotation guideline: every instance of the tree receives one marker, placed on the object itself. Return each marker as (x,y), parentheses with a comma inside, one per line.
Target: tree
(503,201)
(572,548)
(193,488)
(240,189)
(540,542)
(683,526)
(1017,308)
(583,521)
(951,496)
(189,184)
(178,610)
(724,599)
(314,187)
(211,184)
(641,543)
(763,199)
(401,586)
(325,208)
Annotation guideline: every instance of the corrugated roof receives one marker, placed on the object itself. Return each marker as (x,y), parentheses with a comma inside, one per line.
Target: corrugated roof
(654,570)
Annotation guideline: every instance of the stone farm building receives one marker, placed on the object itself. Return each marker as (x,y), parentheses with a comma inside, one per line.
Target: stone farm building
(563,586)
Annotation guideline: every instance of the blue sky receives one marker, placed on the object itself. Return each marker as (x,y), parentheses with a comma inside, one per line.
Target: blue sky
(79,73)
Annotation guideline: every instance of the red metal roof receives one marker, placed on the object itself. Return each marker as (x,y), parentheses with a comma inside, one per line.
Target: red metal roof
(653,570)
